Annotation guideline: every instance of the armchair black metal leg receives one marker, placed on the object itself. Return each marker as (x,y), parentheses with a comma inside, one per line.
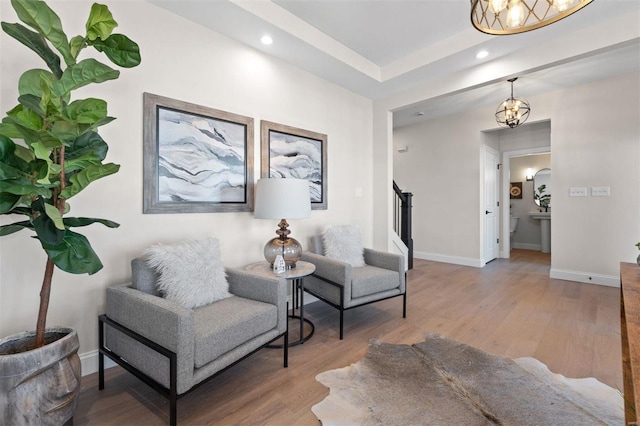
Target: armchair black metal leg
(173,391)
(404,297)
(286,342)
(100,355)
(341,323)
(404,305)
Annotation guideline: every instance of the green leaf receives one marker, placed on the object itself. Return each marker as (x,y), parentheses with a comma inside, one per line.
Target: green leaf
(7,149)
(89,143)
(9,129)
(66,130)
(74,254)
(77,164)
(75,222)
(76,44)
(30,82)
(17,187)
(9,172)
(102,122)
(82,179)
(120,49)
(83,73)
(39,16)
(86,111)
(33,103)
(8,202)
(100,24)
(25,117)
(35,42)
(15,227)
(47,231)
(54,215)
(28,134)
(9,155)
(24,153)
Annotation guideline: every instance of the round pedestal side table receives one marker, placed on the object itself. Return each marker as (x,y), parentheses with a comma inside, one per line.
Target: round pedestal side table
(295,276)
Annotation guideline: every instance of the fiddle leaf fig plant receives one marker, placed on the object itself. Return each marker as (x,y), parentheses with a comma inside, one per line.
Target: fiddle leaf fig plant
(50,149)
(544,199)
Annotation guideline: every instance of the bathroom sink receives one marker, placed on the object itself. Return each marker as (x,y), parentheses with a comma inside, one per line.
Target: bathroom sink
(545,229)
(540,215)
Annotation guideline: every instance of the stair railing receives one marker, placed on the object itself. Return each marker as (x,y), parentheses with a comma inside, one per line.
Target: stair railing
(402,218)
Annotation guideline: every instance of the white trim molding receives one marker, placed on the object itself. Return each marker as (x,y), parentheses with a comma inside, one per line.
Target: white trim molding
(89,362)
(456,260)
(585,277)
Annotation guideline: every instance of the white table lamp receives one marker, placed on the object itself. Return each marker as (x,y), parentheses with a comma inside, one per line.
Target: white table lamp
(282,198)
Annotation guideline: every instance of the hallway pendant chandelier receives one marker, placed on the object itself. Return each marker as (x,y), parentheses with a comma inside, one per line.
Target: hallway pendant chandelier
(503,17)
(512,112)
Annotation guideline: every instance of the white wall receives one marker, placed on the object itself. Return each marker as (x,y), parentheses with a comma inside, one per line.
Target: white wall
(592,144)
(595,142)
(442,169)
(187,62)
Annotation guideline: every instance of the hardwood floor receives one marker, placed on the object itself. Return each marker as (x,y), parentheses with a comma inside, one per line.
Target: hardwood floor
(509,307)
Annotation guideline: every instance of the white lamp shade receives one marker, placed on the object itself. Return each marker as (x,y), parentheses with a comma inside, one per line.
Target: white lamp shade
(282,198)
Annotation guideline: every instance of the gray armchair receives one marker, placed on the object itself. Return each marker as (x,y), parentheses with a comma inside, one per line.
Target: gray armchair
(172,348)
(345,287)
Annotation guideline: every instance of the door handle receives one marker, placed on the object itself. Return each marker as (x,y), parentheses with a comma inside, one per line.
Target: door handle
(487,212)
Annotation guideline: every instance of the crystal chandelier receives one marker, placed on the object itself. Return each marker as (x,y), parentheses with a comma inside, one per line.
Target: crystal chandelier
(512,112)
(501,17)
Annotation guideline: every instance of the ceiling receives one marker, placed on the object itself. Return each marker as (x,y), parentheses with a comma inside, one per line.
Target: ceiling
(381,48)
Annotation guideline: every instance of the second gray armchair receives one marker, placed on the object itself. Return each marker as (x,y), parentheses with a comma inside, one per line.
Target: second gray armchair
(344,286)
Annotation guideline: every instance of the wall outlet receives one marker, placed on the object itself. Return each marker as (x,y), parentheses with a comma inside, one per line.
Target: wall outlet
(600,191)
(578,192)
(358,192)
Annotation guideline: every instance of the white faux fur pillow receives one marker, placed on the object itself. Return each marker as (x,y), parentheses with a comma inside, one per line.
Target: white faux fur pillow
(344,242)
(191,272)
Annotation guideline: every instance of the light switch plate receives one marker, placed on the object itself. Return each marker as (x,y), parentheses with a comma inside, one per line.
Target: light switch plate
(578,192)
(600,191)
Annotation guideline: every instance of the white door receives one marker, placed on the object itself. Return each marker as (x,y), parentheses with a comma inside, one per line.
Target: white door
(491,206)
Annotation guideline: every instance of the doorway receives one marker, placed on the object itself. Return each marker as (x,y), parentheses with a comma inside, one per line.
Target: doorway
(531,138)
(507,202)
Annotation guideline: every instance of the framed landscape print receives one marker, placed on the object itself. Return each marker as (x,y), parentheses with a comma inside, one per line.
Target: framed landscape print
(196,159)
(288,152)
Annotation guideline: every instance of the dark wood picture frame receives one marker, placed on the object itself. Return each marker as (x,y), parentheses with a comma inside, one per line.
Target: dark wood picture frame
(196,159)
(515,190)
(295,153)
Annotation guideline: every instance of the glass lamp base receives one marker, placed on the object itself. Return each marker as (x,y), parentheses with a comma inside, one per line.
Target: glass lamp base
(289,248)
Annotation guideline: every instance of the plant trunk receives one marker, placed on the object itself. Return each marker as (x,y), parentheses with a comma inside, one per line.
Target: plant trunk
(45,291)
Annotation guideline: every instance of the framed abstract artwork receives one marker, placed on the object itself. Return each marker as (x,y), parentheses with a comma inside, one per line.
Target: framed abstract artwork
(289,152)
(196,159)
(515,190)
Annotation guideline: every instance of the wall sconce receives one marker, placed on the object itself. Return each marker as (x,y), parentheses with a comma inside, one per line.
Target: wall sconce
(529,175)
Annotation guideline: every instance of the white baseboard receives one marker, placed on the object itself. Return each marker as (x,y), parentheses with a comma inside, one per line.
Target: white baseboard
(585,277)
(526,246)
(465,261)
(89,360)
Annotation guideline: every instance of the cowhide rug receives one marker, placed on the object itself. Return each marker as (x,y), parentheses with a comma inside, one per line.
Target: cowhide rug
(443,382)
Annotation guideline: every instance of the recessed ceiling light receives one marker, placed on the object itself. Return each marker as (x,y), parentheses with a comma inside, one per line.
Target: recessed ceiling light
(266,39)
(482,54)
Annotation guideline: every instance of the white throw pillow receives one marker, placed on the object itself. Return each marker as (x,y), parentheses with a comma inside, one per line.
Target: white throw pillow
(191,272)
(344,242)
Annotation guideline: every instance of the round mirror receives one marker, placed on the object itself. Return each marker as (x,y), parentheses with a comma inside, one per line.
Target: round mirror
(542,188)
